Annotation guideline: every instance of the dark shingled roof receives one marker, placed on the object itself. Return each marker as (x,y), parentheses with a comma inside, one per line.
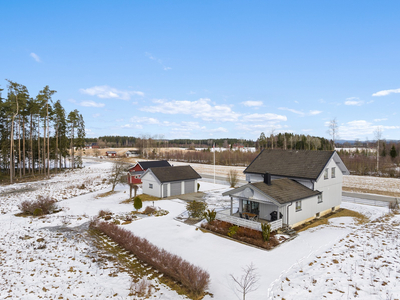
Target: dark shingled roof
(285,190)
(167,174)
(153,164)
(300,164)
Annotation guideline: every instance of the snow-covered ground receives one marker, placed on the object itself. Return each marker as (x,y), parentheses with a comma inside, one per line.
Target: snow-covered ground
(53,256)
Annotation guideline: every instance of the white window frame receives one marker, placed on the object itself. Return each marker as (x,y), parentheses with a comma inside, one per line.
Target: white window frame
(298,205)
(333,172)
(326,174)
(150,185)
(320,198)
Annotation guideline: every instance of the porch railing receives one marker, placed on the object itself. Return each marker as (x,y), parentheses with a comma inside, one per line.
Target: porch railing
(225,216)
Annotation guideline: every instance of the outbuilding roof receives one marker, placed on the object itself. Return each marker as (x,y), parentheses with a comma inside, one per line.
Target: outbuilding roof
(298,164)
(281,190)
(153,164)
(179,173)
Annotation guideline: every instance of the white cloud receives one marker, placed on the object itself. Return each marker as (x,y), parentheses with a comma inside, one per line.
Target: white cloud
(386,92)
(359,129)
(301,113)
(91,104)
(105,91)
(35,57)
(354,101)
(136,126)
(96,115)
(267,117)
(149,55)
(380,120)
(314,112)
(72,100)
(201,108)
(145,120)
(219,129)
(252,103)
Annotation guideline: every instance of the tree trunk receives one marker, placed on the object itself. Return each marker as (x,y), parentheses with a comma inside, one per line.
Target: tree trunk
(48,139)
(23,146)
(11,150)
(56,151)
(72,148)
(19,146)
(31,152)
(38,138)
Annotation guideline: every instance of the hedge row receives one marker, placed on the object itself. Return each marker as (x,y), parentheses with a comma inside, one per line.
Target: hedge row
(194,278)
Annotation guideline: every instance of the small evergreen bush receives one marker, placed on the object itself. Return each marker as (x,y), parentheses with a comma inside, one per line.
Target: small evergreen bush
(137,203)
(38,212)
(266,231)
(198,186)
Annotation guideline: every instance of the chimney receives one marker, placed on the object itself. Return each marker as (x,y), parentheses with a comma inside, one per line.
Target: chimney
(267,178)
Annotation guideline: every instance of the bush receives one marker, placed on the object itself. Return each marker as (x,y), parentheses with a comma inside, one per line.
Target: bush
(196,209)
(233,230)
(266,231)
(42,206)
(195,279)
(210,215)
(137,203)
(149,210)
(102,213)
(198,186)
(233,178)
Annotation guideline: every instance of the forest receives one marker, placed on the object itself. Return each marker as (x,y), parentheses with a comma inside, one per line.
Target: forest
(37,136)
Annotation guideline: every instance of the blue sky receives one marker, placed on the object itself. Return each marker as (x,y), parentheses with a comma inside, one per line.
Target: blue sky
(211,69)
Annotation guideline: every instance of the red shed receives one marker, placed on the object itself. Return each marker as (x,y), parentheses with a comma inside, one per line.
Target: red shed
(111,153)
(136,171)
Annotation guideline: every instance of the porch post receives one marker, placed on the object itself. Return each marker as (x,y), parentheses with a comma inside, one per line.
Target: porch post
(231,206)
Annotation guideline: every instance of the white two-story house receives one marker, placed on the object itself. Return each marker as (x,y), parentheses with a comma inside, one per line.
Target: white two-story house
(289,187)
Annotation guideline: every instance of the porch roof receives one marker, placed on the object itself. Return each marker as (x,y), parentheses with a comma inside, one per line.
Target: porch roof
(281,190)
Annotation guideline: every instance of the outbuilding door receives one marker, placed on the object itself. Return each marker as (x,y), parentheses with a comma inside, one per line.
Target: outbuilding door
(189,187)
(175,188)
(165,190)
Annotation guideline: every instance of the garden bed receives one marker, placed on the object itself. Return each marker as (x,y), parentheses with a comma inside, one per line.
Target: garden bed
(246,235)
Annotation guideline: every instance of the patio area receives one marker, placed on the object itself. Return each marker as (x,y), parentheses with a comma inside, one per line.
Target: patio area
(224,215)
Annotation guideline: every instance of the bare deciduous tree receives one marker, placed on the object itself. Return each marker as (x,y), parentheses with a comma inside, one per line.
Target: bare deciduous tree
(233,177)
(247,282)
(118,171)
(333,130)
(378,136)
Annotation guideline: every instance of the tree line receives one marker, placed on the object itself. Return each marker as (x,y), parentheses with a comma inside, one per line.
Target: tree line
(36,134)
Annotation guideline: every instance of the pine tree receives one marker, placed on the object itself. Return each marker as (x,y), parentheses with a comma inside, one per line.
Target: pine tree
(393,152)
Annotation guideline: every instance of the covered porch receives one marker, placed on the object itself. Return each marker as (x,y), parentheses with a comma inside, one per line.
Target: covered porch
(254,223)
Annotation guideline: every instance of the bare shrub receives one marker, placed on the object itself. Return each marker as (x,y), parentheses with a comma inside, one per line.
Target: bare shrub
(102,213)
(194,278)
(141,288)
(43,205)
(149,210)
(233,177)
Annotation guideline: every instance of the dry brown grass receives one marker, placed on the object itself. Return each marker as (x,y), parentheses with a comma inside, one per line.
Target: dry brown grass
(146,197)
(360,219)
(371,191)
(106,194)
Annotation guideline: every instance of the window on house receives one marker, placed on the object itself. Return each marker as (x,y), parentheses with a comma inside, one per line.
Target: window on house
(150,185)
(326,174)
(298,205)
(333,172)
(320,198)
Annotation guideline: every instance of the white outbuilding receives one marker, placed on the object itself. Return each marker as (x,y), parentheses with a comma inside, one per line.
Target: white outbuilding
(169,181)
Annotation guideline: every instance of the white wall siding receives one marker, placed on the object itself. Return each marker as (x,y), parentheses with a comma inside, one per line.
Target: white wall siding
(331,188)
(309,208)
(150,179)
(266,209)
